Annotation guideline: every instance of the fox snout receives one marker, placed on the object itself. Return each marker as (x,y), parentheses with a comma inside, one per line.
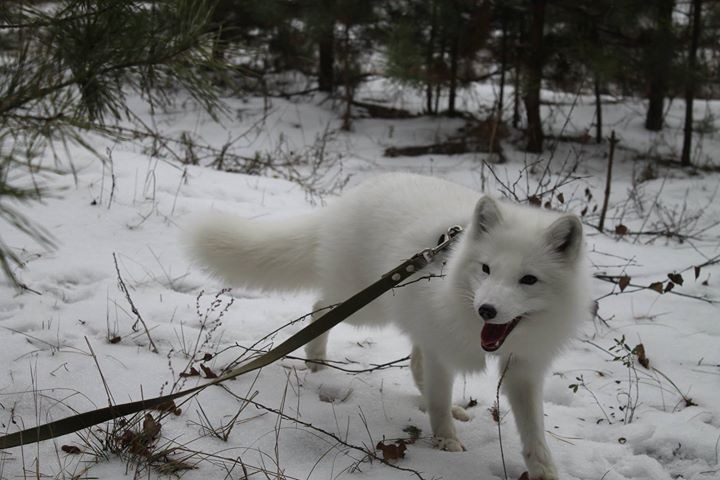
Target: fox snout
(487,311)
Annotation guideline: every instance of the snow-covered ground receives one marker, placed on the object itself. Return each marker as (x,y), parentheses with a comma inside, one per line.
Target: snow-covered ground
(73,330)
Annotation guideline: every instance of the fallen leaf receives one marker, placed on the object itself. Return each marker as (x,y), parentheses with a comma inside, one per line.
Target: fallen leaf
(392,451)
(472,403)
(697,272)
(151,428)
(639,351)
(669,286)
(623,282)
(70,449)
(676,278)
(115,339)
(169,406)
(534,201)
(561,197)
(208,373)
(192,373)
(207,357)
(657,286)
(621,229)
(524,476)
(583,212)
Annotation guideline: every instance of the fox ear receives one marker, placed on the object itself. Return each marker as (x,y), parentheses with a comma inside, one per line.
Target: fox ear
(487,214)
(565,236)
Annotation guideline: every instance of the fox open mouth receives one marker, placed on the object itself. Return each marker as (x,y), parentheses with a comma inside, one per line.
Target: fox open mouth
(493,335)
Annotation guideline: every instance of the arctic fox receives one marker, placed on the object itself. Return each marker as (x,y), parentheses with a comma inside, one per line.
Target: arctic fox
(514,284)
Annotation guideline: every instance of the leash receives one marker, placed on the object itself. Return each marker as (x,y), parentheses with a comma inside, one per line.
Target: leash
(319,326)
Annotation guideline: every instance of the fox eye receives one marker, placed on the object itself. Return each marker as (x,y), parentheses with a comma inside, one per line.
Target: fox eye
(528,280)
(486,268)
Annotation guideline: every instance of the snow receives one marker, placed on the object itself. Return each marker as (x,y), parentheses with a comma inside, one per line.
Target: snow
(75,305)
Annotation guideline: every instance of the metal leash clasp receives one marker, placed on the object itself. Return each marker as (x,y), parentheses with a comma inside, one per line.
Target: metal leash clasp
(443,242)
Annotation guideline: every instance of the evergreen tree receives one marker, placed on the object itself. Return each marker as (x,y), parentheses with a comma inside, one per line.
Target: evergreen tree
(68,67)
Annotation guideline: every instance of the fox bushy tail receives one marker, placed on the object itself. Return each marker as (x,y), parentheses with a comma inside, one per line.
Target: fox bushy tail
(261,253)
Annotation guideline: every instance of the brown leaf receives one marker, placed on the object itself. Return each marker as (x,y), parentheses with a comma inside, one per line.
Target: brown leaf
(548,205)
(583,212)
(676,278)
(208,373)
(524,476)
(669,286)
(657,286)
(534,201)
(207,357)
(561,197)
(70,449)
(115,339)
(151,428)
(623,282)
(621,229)
(639,351)
(169,406)
(392,451)
(192,373)
(697,272)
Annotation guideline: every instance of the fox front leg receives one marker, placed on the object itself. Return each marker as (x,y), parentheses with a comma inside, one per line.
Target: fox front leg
(437,389)
(523,386)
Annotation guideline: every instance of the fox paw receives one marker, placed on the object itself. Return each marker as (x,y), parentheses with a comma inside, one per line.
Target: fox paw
(526,476)
(448,444)
(460,414)
(315,365)
(540,464)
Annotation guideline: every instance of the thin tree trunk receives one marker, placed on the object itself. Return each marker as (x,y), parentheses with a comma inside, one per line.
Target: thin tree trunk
(454,52)
(430,70)
(660,57)
(503,68)
(598,110)
(656,100)
(347,122)
(691,82)
(439,82)
(533,80)
(516,98)
(326,53)
(608,181)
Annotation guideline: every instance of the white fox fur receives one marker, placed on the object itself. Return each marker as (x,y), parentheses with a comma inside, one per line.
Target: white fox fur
(340,249)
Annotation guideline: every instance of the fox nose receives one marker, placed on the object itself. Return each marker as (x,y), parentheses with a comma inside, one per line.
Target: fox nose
(487,311)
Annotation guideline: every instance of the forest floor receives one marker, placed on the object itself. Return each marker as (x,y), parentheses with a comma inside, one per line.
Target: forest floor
(70,339)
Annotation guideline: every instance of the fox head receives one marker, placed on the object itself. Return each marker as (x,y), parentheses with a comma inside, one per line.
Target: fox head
(520,268)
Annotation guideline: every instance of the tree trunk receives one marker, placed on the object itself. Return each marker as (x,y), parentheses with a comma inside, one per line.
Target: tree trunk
(516,98)
(691,81)
(598,110)
(656,100)
(503,67)
(349,88)
(454,52)
(429,67)
(533,78)
(326,52)
(660,57)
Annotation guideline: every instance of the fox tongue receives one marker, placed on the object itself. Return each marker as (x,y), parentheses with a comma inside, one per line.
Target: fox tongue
(493,335)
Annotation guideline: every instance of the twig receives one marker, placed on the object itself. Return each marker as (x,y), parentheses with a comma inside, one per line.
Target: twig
(497,402)
(123,288)
(614,279)
(364,451)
